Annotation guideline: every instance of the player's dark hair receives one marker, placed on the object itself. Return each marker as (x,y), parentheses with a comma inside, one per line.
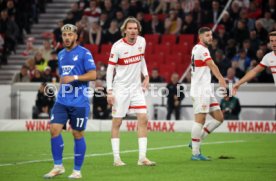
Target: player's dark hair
(203,30)
(273,33)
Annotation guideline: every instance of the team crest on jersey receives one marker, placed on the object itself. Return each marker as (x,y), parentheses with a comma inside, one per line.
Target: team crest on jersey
(111,55)
(75,58)
(205,54)
(204,107)
(66,69)
(140,49)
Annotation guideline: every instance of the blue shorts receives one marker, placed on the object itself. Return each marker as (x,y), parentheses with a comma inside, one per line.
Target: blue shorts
(77,116)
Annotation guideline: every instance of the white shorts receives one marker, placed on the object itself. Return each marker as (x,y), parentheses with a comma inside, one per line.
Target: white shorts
(205,104)
(128,102)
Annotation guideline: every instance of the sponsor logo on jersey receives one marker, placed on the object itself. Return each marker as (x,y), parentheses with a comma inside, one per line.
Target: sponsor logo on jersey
(130,60)
(66,69)
(75,58)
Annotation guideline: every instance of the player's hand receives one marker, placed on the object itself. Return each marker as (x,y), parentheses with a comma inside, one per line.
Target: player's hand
(67,79)
(235,89)
(110,98)
(145,84)
(222,83)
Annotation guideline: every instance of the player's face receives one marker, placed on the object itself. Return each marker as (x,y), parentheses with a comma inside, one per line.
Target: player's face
(272,40)
(131,31)
(207,38)
(69,39)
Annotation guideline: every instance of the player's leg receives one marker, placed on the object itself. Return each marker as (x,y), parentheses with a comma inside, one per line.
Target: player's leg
(143,140)
(78,120)
(115,141)
(119,110)
(217,114)
(59,117)
(138,106)
(201,108)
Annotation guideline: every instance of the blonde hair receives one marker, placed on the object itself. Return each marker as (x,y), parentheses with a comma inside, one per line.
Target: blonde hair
(130,20)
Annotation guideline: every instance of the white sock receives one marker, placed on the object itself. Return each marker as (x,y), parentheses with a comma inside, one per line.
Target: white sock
(58,166)
(196,132)
(77,171)
(142,147)
(115,142)
(209,128)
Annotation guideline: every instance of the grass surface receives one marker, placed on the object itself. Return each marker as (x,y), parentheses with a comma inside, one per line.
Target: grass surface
(26,156)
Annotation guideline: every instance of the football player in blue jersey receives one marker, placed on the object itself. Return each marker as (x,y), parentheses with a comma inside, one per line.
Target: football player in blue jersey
(76,69)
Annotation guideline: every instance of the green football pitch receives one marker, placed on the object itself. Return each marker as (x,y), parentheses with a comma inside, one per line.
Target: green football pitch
(26,156)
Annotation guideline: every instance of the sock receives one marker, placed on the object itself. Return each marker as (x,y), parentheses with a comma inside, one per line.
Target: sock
(209,127)
(196,132)
(80,148)
(57,149)
(142,147)
(115,143)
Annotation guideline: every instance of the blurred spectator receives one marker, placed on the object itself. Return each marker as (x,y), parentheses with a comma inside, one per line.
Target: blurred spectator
(267,22)
(234,10)
(173,99)
(240,32)
(261,32)
(145,25)
(271,7)
(30,48)
(119,17)
(47,76)
(231,49)
(22,76)
(253,11)
(101,109)
(243,60)
(230,77)
(53,63)
(40,62)
(222,62)
(230,106)
(155,77)
(212,15)
(173,23)
(76,11)
(189,26)
(239,72)
(69,19)
(227,21)
(247,48)
(83,33)
(222,37)
(156,26)
(112,34)
(250,23)
(93,12)
(259,55)
(46,50)
(57,33)
(95,34)
(10,31)
(254,41)
(44,102)
(197,12)
(38,77)
(104,22)
(214,47)
(109,9)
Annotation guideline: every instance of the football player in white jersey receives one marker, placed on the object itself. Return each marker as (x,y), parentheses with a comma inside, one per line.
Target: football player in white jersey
(126,92)
(269,60)
(204,101)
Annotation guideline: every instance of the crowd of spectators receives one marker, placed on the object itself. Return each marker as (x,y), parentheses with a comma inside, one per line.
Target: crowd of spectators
(239,42)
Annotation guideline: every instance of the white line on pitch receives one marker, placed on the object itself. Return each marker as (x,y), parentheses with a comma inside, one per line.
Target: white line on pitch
(126,151)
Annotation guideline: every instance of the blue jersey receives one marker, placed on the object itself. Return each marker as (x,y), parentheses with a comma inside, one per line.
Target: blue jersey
(77,61)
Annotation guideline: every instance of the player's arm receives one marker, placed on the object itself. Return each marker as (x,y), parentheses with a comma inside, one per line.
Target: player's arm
(250,75)
(145,73)
(210,63)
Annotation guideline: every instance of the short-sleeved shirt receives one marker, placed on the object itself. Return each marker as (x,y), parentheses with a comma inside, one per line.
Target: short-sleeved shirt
(77,61)
(201,73)
(269,60)
(127,59)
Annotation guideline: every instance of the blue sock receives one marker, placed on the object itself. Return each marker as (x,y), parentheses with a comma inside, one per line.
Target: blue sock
(57,149)
(80,148)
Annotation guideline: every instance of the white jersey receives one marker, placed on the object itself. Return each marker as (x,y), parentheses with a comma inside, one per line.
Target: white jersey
(201,73)
(128,61)
(269,60)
